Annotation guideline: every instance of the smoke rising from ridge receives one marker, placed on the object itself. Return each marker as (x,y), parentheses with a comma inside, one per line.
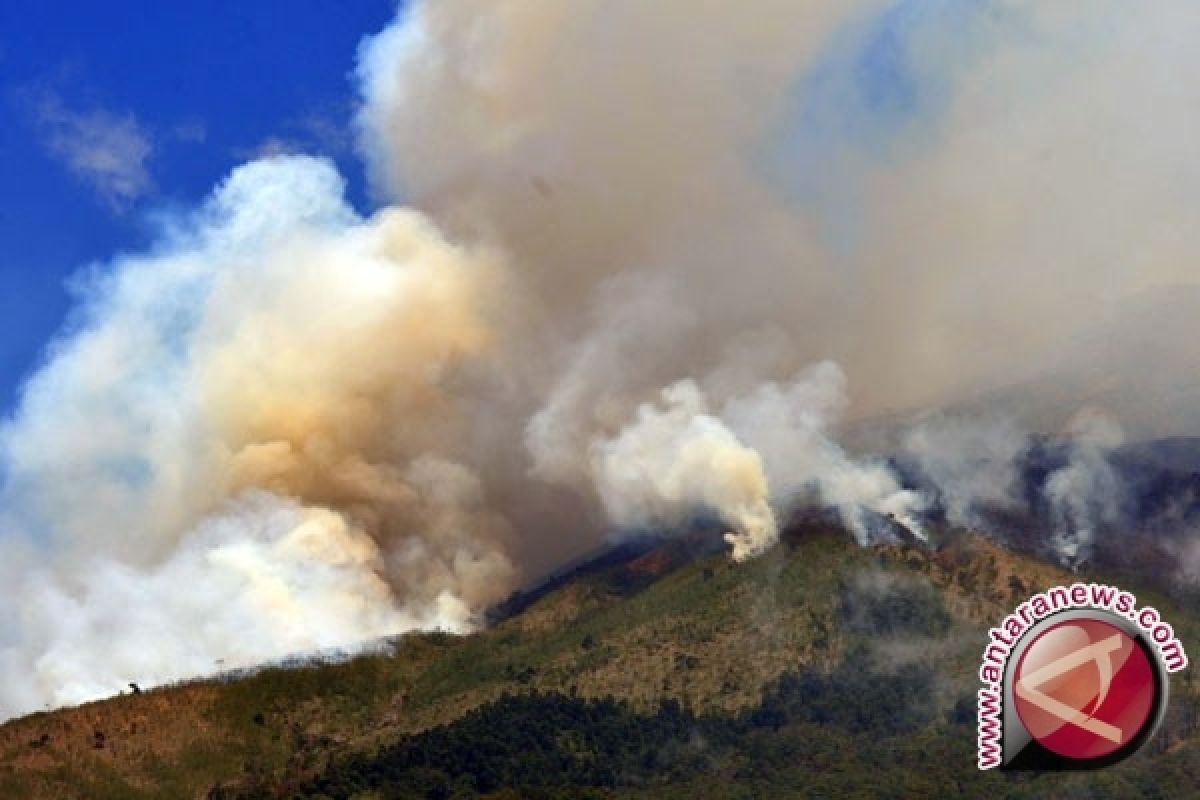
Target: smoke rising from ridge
(258,413)
(670,462)
(1085,491)
(643,262)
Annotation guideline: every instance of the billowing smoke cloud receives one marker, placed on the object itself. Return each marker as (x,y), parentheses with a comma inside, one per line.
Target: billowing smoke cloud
(639,253)
(790,424)
(943,198)
(288,579)
(673,461)
(251,428)
(762,455)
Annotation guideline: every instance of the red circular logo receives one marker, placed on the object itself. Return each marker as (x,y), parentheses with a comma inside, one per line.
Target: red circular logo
(1084,688)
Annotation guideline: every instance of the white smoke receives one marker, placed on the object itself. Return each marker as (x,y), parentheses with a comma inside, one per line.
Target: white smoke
(1085,491)
(263,578)
(244,448)
(791,426)
(977,463)
(673,461)
(762,455)
(973,461)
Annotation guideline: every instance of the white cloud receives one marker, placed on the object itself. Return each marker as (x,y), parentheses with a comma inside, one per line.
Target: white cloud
(106,150)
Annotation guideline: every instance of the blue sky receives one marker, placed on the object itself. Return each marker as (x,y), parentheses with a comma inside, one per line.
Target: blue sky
(113,111)
(110,111)
(874,96)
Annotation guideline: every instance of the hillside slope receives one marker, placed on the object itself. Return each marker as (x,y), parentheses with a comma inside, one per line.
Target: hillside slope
(821,669)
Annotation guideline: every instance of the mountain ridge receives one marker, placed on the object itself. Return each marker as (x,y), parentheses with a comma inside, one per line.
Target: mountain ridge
(664,625)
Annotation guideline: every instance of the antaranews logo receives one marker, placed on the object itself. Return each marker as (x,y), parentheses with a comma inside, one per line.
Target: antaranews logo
(1074,678)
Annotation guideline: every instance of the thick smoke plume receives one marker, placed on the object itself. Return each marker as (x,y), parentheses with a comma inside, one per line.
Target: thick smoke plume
(633,263)
(761,455)
(246,446)
(672,461)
